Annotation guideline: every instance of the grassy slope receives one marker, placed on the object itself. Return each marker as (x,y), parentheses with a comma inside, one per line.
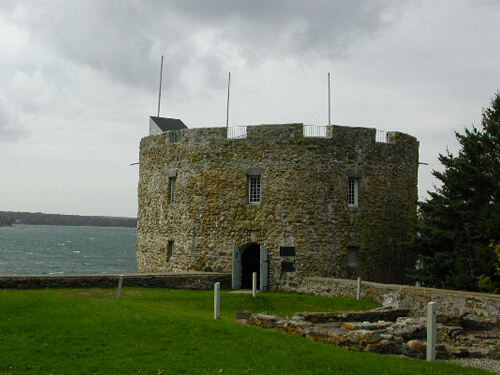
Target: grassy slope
(173,332)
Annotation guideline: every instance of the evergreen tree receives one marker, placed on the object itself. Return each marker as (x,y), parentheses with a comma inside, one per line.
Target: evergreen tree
(461,219)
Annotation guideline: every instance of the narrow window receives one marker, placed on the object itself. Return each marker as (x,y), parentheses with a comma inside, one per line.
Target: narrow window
(254,189)
(352,192)
(170,250)
(171,183)
(352,256)
(176,136)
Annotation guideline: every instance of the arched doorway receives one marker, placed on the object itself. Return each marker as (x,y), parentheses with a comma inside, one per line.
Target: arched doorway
(251,258)
(250,263)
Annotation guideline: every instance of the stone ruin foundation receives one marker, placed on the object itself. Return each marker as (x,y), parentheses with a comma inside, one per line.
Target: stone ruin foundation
(389,331)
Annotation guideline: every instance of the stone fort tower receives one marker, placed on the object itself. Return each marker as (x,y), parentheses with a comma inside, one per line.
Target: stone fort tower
(284,201)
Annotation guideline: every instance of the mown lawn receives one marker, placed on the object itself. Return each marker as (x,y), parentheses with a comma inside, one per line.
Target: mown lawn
(158,331)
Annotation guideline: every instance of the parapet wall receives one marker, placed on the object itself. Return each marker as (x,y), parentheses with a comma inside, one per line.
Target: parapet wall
(276,132)
(190,280)
(415,299)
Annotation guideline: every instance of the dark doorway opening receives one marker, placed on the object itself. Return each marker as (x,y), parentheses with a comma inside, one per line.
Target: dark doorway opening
(250,263)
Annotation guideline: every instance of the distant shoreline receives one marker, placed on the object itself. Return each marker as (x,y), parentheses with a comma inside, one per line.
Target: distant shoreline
(9,218)
(62,225)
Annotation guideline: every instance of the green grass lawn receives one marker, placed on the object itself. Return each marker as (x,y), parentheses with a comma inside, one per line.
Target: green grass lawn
(158,331)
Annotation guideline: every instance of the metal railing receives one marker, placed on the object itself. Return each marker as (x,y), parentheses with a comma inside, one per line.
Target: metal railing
(313,131)
(382,136)
(237,132)
(317,131)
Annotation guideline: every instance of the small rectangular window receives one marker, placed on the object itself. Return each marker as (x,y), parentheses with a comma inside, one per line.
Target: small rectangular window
(254,189)
(176,136)
(352,192)
(352,256)
(287,251)
(172,189)
(170,250)
(287,267)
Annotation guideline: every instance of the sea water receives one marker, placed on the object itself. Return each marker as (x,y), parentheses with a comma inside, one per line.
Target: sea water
(57,250)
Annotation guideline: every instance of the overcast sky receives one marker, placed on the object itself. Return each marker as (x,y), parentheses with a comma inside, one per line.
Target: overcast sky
(78,80)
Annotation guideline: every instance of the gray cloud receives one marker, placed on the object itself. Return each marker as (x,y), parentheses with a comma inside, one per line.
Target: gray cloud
(124,39)
(103,35)
(277,27)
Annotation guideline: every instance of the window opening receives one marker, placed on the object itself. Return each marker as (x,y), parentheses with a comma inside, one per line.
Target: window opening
(176,136)
(287,251)
(254,189)
(352,256)
(288,254)
(172,189)
(170,250)
(287,267)
(352,192)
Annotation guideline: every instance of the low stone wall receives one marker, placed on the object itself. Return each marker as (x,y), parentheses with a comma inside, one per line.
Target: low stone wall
(388,331)
(187,280)
(412,298)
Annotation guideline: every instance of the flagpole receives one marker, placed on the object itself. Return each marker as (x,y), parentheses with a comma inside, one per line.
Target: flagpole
(227,105)
(161,79)
(329,102)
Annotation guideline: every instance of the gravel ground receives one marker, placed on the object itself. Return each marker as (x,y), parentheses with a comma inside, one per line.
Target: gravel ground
(485,364)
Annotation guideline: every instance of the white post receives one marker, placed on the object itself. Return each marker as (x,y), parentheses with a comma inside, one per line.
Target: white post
(120,283)
(358,292)
(254,284)
(431,331)
(216,300)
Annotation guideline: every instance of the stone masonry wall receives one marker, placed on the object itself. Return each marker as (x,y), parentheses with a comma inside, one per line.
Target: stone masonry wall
(415,299)
(304,196)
